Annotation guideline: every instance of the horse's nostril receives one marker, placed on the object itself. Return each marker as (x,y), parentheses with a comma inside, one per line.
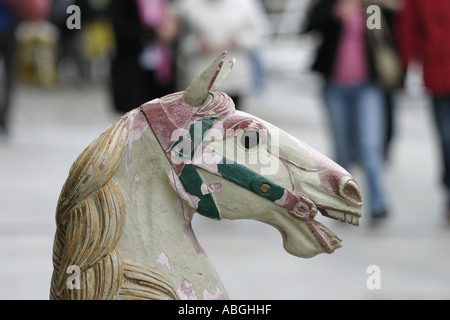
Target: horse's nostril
(351,192)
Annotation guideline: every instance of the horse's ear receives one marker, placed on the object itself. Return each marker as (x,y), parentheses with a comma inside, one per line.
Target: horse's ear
(209,80)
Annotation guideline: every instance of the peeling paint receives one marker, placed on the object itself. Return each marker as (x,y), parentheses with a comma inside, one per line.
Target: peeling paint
(163,259)
(192,239)
(186,291)
(179,189)
(211,188)
(217,296)
(189,235)
(138,124)
(183,210)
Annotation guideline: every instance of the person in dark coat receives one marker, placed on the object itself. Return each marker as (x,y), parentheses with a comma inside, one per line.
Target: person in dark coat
(424,33)
(142,68)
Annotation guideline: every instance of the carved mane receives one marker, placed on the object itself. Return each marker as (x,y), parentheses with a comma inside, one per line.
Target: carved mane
(90,217)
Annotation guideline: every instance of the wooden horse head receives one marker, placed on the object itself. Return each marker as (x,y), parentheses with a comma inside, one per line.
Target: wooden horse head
(124,214)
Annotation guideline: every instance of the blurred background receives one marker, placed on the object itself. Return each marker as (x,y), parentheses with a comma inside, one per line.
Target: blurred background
(64,80)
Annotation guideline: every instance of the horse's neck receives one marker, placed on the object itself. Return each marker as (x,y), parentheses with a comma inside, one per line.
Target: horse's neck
(157,233)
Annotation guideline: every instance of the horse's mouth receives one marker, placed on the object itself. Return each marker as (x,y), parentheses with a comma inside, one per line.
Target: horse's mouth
(350,217)
(327,238)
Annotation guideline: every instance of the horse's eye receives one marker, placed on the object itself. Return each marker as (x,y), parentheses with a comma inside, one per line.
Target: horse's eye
(250,139)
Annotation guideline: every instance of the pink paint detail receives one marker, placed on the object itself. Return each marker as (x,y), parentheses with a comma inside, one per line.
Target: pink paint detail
(204,189)
(129,161)
(192,239)
(329,180)
(221,106)
(305,210)
(217,296)
(178,167)
(298,205)
(165,118)
(214,77)
(236,122)
(211,188)
(185,291)
(163,259)
(287,201)
(124,135)
(178,114)
(183,210)
(179,189)
(137,125)
(172,119)
(102,165)
(329,240)
(189,235)
(232,62)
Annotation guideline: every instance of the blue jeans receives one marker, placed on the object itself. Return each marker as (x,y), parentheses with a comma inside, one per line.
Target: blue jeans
(357,116)
(441,108)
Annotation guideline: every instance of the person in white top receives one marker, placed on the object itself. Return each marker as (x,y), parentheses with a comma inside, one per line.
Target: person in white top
(210,27)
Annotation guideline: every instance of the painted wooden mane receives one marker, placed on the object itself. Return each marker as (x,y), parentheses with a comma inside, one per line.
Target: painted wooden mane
(124,214)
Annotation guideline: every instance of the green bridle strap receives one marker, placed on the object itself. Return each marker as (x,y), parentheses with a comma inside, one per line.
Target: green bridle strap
(250,180)
(192,183)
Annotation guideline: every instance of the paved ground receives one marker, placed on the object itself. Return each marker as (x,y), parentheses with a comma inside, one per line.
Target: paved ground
(49,129)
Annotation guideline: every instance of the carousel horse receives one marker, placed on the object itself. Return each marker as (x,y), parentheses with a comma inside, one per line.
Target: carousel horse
(124,214)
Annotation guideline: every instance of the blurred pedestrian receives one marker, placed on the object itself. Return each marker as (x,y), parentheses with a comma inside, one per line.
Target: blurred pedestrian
(423,33)
(142,67)
(210,27)
(11,13)
(352,95)
(390,10)
(7,49)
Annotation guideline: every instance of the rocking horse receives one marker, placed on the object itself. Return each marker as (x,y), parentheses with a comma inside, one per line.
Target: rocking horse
(124,214)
